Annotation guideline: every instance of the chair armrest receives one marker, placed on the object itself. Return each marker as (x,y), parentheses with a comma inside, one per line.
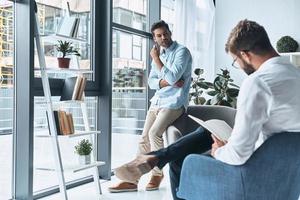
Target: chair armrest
(184,125)
(203,178)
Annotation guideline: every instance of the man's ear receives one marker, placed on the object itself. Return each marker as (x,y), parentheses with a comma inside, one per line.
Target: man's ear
(246,55)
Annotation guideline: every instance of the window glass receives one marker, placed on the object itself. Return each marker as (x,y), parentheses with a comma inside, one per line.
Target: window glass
(131,13)
(168,12)
(129,97)
(6,96)
(125,45)
(57,22)
(44,162)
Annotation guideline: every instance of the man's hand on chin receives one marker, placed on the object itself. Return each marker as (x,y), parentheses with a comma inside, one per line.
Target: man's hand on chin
(217,144)
(154,53)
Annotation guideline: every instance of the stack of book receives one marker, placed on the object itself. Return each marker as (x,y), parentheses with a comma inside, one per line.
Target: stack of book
(73,88)
(63,122)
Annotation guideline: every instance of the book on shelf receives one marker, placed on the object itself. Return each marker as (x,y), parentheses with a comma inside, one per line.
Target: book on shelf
(219,128)
(75,29)
(73,88)
(63,122)
(81,88)
(56,120)
(69,26)
(70,122)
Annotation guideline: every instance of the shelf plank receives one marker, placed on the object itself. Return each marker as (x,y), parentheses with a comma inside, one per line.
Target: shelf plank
(75,168)
(84,167)
(60,103)
(290,54)
(294,58)
(54,37)
(67,70)
(76,134)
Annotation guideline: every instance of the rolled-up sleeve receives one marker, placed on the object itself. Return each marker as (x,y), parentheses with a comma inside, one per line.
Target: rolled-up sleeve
(253,110)
(153,79)
(176,69)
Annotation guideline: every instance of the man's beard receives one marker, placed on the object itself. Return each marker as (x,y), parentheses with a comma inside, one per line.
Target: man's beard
(248,68)
(166,43)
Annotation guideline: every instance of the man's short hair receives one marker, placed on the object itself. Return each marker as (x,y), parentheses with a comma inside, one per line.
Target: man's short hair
(159,24)
(248,36)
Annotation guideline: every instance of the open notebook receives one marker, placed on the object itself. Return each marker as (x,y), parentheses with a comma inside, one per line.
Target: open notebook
(218,128)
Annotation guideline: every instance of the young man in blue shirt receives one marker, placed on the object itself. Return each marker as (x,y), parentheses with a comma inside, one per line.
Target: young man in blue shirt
(170,76)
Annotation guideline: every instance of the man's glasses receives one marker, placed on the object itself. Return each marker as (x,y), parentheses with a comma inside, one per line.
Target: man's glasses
(233,63)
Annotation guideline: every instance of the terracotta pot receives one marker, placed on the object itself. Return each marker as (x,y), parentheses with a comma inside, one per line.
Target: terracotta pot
(63,62)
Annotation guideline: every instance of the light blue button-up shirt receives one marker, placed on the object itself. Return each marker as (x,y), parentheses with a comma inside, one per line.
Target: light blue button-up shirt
(177,62)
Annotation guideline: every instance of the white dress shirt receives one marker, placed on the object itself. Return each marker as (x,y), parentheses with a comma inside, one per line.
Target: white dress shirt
(268,103)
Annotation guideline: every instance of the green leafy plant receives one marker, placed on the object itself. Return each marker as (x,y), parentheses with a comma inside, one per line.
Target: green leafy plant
(66,48)
(198,86)
(84,147)
(222,91)
(286,44)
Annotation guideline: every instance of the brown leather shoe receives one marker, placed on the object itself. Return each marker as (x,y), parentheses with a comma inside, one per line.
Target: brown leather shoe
(132,171)
(123,187)
(154,183)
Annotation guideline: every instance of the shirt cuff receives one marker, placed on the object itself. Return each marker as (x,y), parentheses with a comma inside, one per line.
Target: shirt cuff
(225,155)
(217,153)
(157,84)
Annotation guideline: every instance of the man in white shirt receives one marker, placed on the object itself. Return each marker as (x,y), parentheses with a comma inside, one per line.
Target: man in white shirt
(268,103)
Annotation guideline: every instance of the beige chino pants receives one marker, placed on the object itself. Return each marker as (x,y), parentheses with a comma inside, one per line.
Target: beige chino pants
(157,121)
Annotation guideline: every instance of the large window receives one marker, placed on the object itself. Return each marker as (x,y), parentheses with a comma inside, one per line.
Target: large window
(129,92)
(6,96)
(130,52)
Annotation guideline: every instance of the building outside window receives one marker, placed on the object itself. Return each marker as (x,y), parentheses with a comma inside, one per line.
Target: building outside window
(6,96)
(129,92)
(167,12)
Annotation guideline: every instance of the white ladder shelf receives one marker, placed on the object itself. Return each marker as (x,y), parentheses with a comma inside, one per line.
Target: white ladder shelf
(59,168)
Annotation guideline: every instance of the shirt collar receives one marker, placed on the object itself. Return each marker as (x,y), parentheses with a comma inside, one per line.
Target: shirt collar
(170,48)
(272,61)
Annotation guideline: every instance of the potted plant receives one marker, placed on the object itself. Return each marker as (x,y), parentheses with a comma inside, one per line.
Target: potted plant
(286,44)
(65,48)
(198,86)
(84,149)
(222,91)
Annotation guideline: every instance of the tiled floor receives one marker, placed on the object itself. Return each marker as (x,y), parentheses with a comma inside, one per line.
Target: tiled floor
(87,192)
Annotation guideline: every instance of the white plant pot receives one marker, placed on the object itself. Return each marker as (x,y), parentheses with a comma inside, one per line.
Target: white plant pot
(84,159)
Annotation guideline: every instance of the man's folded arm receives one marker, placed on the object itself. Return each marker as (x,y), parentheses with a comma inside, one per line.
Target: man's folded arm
(173,73)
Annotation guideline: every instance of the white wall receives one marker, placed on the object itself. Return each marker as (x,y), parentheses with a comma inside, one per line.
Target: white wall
(279,17)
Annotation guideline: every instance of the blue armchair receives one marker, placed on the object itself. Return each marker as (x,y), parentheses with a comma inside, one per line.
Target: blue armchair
(271,173)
